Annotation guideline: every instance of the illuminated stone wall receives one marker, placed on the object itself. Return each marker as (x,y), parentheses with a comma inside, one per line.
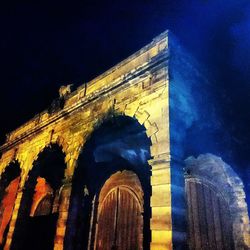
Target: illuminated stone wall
(139,87)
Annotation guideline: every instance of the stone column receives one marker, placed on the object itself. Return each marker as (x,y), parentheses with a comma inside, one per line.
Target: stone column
(157,129)
(63,214)
(13,219)
(160,224)
(16,211)
(65,193)
(154,115)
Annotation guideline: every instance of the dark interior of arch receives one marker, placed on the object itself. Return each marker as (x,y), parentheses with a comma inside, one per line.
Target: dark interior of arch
(11,172)
(38,232)
(119,143)
(50,165)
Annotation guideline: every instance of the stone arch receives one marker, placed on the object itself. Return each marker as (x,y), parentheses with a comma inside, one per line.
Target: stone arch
(144,118)
(9,184)
(108,127)
(138,115)
(45,176)
(153,113)
(47,152)
(12,168)
(37,151)
(210,169)
(9,158)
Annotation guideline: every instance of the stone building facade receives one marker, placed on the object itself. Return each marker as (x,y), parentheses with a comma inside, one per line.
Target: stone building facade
(104,167)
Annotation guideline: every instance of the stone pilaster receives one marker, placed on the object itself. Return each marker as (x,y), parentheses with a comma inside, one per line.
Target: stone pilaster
(65,193)
(15,213)
(14,218)
(161,222)
(63,214)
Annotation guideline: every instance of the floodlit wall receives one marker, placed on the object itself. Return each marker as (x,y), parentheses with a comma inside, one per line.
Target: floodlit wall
(137,87)
(159,86)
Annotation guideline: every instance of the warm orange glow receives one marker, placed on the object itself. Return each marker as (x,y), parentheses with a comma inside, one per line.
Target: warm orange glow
(41,190)
(7,205)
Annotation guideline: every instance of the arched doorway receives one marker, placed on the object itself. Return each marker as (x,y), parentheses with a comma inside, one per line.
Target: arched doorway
(9,184)
(38,213)
(209,218)
(119,221)
(217,210)
(117,144)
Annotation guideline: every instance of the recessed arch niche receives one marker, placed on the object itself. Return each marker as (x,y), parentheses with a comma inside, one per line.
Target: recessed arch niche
(37,217)
(9,183)
(118,143)
(217,210)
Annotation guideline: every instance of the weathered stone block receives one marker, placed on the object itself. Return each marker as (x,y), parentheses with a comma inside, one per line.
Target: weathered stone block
(161,218)
(161,196)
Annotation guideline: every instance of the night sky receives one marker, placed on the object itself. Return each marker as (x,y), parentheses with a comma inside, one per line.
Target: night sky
(44,46)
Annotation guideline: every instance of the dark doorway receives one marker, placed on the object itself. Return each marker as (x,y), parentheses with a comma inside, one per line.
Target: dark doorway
(41,231)
(37,216)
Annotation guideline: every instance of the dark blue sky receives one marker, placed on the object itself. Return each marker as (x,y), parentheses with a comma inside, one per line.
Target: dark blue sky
(46,45)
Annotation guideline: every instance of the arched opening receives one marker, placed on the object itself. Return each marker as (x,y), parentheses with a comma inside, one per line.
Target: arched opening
(216,206)
(118,223)
(118,144)
(38,213)
(9,183)
(209,217)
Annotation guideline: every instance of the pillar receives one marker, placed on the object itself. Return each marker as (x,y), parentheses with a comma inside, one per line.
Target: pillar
(64,199)
(16,210)
(13,219)
(63,213)
(160,224)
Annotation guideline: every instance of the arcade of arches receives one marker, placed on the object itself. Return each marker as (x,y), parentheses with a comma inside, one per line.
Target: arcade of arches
(94,172)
